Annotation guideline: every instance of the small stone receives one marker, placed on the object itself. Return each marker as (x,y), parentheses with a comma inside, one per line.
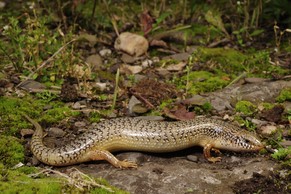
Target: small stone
(100,86)
(176,67)
(259,122)
(31,85)
(2,4)
(56,132)
(135,106)
(146,63)
(95,61)
(192,158)
(178,57)
(26,132)
(105,52)
(128,69)
(76,106)
(268,129)
(132,44)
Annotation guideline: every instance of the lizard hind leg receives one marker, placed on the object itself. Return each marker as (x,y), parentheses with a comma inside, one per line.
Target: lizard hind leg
(106,155)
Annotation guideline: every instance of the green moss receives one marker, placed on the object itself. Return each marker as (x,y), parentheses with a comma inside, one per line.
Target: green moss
(244,122)
(235,62)
(58,113)
(203,109)
(245,107)
(11,108)
(11,119)
(13,181)
(18,181)
(94,117)
(267,106)
(11,151)
(201,82)
(283,154)
(285,95)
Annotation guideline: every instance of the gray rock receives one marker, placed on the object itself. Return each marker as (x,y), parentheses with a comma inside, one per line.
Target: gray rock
(268,129)
(95,61)
(56,132)
(135,106)
(192,158)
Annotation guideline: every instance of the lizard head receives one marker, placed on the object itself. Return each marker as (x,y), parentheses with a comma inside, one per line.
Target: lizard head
(235,139)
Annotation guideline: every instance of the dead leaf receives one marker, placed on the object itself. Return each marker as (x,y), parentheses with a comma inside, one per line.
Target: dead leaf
(176,67)
(179,112)
(159,43)
(146,21)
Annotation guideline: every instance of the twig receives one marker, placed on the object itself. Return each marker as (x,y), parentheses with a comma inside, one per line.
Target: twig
(115,89)
(237,79)
(75,178)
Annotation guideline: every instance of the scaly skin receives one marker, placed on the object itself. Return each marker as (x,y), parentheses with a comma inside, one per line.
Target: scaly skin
(122,134)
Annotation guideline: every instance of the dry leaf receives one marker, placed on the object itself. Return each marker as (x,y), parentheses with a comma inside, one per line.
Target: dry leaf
(146,21)
(179,113)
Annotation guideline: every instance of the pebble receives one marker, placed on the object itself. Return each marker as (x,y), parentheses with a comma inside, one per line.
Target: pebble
(2,4)
(56,132)
(76,106)
(132,44)
(146,63)
(258,122)
(95,61)
(192,158)
(135,106)
(100,86)
(105,52)
(128,69)
(268,129)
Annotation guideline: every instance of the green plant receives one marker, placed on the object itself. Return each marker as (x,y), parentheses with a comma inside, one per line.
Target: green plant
(47,96)
(282,153)
(31,47)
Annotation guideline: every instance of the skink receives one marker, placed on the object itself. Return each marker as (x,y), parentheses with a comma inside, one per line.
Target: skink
(135,134)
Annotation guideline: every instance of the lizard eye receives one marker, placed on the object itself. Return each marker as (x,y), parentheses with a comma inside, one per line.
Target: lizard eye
(247,141)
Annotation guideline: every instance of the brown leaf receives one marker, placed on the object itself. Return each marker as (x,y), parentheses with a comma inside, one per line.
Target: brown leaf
(146,21)
(179,113)
(159,43)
